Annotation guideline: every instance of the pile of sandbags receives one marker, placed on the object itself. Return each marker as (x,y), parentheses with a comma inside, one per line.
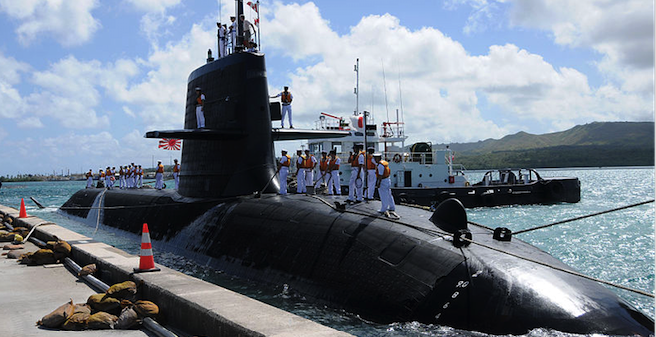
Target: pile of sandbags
(54,252)
(115,309)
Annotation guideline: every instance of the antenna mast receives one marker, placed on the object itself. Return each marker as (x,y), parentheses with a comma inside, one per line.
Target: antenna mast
(356,90)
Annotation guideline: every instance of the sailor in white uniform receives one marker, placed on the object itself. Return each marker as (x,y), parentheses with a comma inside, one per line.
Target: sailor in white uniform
(384,185)
(371,174)
(309,168)
(90,179)
(356,183)
(223,43)
(300,172)
(200,114)
(286,100)
(283,169)
(333,167)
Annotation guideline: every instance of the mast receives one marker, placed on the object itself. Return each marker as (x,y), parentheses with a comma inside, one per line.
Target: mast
(240,26)
(356,91)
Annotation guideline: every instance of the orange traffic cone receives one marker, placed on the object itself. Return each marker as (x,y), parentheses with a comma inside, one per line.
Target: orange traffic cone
(22,213)
(146,260)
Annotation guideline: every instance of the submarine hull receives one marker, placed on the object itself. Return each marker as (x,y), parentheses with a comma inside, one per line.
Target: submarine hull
(384,270)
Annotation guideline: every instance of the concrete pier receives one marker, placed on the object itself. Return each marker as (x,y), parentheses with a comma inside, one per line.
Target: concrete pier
(186,304)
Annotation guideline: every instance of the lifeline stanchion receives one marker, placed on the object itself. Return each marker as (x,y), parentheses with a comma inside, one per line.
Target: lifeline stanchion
(146,260)
(22,213)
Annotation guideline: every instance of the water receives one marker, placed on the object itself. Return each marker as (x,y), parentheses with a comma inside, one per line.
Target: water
(617,247)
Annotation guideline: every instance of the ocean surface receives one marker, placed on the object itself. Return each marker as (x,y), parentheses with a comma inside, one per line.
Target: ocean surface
(617,247)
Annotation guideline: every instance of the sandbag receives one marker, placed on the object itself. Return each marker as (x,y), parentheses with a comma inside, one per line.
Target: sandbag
(146,308)
(58,316)
(123,290)
(62,247)
(15,254)
(128,319)
(40,257)
(87,270)
(102,302)
(78,320)
(101,320)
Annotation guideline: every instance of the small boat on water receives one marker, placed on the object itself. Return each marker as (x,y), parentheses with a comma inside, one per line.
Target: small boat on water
(426,176)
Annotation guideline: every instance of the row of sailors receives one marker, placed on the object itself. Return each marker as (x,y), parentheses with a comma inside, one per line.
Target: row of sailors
(130,176)
(377,171)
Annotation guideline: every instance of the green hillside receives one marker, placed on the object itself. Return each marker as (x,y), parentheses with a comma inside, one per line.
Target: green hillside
(589,145)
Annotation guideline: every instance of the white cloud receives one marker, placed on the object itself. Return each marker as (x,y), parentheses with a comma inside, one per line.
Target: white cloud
(11,104)
(152,5)
(69,22)
(621,31)
(442,83)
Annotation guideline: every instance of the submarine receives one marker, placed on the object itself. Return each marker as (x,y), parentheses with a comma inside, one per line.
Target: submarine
(430,267)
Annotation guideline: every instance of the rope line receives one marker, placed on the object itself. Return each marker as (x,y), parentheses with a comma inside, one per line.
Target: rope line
(583,217)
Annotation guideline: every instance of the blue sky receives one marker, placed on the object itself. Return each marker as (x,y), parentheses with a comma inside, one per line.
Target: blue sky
(82,81)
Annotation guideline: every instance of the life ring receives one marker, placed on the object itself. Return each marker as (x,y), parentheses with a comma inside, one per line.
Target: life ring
(397,158)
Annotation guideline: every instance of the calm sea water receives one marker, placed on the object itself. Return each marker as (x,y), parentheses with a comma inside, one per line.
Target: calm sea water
(616,247)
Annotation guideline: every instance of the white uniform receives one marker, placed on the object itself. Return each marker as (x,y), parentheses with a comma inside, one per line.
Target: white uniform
(223,43)
(176,176)
(333,181)
(300,176)
(286,110)
(233,35)
(354,191)
(200,116)
(139,177)
(90,180)
(122,183)
(385,192)
(371,180)
(309,172)
(159,179)
(284,171)
(323,175)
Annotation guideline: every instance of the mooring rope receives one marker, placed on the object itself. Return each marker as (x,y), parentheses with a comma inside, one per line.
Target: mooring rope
(583,217)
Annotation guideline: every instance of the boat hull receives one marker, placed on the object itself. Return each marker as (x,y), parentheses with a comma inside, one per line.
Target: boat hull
(546,191)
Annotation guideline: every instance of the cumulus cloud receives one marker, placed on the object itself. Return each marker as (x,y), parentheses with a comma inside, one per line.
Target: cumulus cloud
(69,22)
(442,84)
(11,104)
(627,45)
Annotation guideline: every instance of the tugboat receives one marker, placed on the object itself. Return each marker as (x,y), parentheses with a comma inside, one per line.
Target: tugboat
(425,176)
(228,215)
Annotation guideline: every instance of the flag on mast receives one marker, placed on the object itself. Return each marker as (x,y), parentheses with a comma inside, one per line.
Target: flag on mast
(254,6)
(170,144)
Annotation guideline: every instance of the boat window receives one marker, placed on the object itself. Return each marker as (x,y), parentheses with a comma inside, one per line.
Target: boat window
(338,146)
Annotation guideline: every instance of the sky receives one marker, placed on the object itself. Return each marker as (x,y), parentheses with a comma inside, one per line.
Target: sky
(82,81)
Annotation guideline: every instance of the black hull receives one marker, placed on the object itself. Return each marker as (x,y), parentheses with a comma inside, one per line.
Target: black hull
(383,270)
(546,191)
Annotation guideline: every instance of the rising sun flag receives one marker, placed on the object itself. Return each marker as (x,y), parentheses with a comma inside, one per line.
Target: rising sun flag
(170,144)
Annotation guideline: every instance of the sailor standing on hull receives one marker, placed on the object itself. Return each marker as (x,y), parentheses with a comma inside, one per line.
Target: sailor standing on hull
(356,184)
(159,175)
(371,174)
(301,161)
(139,176)
(309,168)
(133,176)
(89,179)
(384,185)
(176,173)
(121,177)
(283,168)
(333,168)
(323,170)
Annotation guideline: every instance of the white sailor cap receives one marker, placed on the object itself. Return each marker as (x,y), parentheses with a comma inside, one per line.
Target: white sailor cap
(197,88)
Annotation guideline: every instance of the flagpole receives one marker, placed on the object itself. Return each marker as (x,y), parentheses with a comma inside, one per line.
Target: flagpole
(259,46)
